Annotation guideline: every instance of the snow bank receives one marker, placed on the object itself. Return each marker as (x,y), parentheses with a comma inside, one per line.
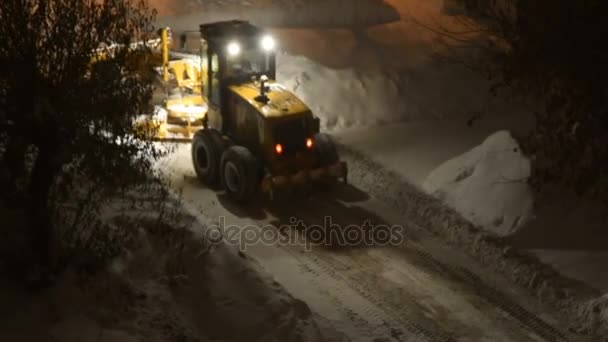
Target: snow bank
(594,315)
(487,185)
(346,97)
(587,310)
(188,14)
(356,97)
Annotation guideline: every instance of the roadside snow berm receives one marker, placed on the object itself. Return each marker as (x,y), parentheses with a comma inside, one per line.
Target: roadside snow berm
(487,185)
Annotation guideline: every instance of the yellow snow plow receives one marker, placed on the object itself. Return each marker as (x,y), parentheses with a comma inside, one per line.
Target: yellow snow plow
(179,108)
(178,119)
(258,135)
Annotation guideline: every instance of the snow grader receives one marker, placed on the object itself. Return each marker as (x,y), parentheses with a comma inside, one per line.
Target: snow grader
(255,134)
(179,107)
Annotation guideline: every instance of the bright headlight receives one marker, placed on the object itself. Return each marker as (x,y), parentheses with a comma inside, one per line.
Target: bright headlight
(268,43)
(234,49)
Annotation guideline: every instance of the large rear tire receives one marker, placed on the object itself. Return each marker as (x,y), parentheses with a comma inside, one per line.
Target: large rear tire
(327,154)
(207,149)
(239,173)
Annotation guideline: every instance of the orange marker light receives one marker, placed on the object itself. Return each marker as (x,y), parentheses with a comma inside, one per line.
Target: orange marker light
(309,143)
(278,148)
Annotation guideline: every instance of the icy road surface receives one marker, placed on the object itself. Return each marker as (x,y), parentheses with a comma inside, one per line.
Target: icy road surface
(419,290)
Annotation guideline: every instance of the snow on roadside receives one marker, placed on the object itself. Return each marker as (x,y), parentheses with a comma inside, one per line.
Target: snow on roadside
(584,305)
(487,185)
(343,98)
(594,315)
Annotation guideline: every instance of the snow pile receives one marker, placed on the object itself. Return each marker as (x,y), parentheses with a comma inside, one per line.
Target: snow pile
(356,97)
(187,14)
(346,97)
(487,185)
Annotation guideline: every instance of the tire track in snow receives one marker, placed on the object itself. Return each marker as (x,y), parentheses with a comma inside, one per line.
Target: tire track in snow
(402,318)
(318,286)
(380,326)
(366,312)
(523,317)
(309,211)
(398,318)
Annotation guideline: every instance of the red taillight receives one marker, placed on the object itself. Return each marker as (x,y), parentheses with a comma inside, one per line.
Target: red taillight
(309,143)
(278,148)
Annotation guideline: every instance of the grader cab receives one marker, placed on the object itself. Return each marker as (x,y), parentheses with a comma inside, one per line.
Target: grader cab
(257,134)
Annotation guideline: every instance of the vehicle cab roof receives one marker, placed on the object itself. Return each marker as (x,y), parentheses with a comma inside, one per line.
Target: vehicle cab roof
(219,32)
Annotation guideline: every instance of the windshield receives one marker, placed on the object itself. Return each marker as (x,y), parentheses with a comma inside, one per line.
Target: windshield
(251,62)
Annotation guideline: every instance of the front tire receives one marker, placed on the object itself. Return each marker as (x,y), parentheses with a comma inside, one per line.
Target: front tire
(207,149)
(239,173)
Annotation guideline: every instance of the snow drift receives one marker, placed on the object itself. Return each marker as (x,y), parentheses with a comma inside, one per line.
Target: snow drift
(343,98)
(487,185)
(356,97)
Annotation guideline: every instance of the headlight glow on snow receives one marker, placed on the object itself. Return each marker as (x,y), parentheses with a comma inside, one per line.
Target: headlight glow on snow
(234,48)
(268,43)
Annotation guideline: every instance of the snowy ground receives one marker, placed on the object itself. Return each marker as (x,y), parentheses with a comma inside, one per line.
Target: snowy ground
(417,289)
(167,284)
(404,114)
(380,94)
(563,231)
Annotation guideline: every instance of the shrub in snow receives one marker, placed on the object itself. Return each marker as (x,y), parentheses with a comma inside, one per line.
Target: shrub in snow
(487,185)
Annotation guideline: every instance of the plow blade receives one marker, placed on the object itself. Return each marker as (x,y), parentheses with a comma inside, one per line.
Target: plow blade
(331,173)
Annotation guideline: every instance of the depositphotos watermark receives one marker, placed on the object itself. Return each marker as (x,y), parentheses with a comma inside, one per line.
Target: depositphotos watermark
(298,233)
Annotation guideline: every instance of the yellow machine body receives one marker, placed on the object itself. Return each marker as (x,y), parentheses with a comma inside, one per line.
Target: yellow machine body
(253,111)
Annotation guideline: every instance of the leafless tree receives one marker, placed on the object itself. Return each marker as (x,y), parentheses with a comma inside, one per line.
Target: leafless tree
(75,114)
(553,51)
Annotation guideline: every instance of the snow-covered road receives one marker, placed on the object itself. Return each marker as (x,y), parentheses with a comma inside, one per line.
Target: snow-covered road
(415,290)
(359,76)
